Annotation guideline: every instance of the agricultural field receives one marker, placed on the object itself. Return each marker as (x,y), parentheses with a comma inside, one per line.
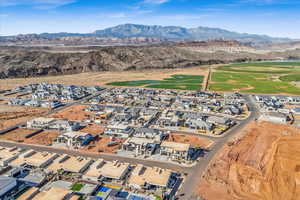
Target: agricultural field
(262,78)
(178,82)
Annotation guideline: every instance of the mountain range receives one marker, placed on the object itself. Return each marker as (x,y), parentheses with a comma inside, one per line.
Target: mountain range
(155,34)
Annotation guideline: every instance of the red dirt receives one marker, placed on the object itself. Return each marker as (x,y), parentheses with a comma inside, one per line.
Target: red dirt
(101,145)
(44,138)
(17,135)
(194,141)
(12,115)
(74,113)
(93,129)
(260,164)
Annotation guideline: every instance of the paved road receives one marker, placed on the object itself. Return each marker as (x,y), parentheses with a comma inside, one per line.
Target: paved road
(193,178)
(107,157)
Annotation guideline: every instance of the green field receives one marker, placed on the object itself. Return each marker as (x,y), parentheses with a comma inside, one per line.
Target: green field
(291,77)
(77,187)
(179,82)
(263,67)
(250,83)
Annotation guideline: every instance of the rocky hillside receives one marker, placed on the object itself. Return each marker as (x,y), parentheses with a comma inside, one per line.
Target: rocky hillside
(28,62)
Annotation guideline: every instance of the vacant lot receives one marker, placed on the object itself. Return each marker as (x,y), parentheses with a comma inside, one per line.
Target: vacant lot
(93,129)
(103,145)
(250,83)
(178,82)
(13,115)
(262,163)
(17,135)
(194,141)
(44,138)
(74,113)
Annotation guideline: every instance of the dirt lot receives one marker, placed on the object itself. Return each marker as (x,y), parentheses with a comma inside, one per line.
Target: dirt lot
(12,115)
(261,164)
(74,113)
(93,129)
(17,135)
(44,138)
(101,78)
(194,141)
(101,145)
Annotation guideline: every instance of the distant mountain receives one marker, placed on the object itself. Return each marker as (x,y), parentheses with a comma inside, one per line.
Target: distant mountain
(180,33)
(154,34)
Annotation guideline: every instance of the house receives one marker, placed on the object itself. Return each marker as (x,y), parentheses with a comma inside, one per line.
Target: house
(119,130)
(54,193)
(35,178)
(74,140)
(51,104)
(7,184)
(176,151)
(279,118)
(219,120)
(39,123)
(114,171)
(71,164)
(34,159)
(33,103)
(64,125)
(149,133)
(8,154)
(148,177)
(198,124)
(140,146)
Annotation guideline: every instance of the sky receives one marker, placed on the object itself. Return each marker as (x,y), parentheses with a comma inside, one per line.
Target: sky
(279,18)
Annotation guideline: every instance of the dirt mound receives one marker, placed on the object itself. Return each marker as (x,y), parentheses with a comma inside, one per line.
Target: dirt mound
(264,164)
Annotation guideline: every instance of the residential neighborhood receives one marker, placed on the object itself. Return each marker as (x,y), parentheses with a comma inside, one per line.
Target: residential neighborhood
(120,143)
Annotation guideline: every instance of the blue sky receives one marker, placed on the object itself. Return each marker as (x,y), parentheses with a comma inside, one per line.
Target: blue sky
(272,17)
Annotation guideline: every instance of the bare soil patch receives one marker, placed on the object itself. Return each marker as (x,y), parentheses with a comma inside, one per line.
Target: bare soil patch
(93,129)
(17,135)
(13,115)
(260,164)
(74,113)
(194,141)
(102,145)
(44,138)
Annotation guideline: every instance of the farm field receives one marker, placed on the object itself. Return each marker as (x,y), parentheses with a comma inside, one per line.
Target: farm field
(262,78)
(178,81)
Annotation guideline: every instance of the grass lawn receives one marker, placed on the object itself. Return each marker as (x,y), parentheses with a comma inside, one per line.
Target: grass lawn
(77,187)
(179,82)
(250,83)
(291,77)
(263,67)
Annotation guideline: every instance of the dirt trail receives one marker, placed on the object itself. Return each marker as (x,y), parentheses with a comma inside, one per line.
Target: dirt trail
(263,164)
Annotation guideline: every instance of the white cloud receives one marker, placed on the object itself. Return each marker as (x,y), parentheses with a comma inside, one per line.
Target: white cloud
(42,4)
(155,2)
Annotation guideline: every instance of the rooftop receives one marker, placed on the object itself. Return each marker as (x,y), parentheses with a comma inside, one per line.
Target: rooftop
(114,170)
(52,194)
(28,193)
(33,158)
(70,163)
(150,175)
(7,153)
(139,141)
